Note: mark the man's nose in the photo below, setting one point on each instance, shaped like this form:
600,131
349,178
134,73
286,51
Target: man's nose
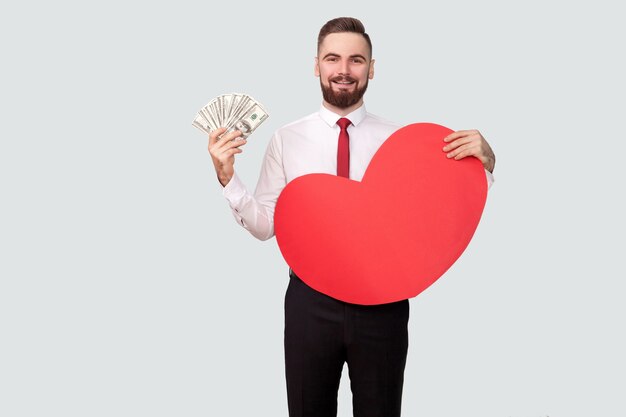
344,68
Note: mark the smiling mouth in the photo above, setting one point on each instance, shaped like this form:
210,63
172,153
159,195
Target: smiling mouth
343,83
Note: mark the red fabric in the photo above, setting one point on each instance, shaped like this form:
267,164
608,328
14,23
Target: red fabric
343,148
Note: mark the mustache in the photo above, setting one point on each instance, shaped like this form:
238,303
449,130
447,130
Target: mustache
340,78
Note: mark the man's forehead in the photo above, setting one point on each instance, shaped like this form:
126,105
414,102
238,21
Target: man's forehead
344,43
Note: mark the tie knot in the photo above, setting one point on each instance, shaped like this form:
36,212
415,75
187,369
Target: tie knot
343,123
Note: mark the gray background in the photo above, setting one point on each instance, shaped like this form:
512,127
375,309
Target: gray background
128,289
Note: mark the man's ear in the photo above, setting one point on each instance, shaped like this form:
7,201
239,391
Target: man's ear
317,67
371,71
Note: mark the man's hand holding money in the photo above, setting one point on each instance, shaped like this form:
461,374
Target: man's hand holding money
234,111
223,150
225,118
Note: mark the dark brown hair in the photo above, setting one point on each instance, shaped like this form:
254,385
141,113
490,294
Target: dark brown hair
343,24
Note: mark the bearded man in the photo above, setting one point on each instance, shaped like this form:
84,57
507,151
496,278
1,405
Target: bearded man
322,333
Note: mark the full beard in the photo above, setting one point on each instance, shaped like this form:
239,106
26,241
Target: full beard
342,99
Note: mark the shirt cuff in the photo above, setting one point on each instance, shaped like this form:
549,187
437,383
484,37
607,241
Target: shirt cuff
234,190
490,179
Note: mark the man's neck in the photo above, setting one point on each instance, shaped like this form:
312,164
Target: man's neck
343,112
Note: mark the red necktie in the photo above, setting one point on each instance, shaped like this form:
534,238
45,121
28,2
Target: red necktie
343,149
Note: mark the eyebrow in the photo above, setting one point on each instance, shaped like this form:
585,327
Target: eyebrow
332,54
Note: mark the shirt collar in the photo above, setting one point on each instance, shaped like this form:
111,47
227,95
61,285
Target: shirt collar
331,118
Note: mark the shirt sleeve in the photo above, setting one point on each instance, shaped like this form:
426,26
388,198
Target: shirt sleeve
255,213
490,179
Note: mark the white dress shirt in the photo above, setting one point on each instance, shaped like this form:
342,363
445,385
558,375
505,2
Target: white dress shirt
306,146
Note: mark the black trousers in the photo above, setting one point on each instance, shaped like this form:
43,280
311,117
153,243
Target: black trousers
321,333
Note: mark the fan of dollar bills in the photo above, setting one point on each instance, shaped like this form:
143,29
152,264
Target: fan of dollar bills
233,111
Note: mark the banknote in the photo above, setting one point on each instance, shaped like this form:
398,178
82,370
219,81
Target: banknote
248,122
234,111
202,124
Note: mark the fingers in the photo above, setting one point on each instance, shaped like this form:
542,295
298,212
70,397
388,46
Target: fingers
458,142
465,151
227,153
466,143
213,136
460,134
223,151
463,143
229,136
217,144
216,136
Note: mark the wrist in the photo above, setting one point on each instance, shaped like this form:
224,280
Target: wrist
224,179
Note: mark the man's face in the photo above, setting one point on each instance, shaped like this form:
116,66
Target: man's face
344,66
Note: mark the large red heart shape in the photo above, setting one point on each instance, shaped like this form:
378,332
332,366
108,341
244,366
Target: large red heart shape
390,236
